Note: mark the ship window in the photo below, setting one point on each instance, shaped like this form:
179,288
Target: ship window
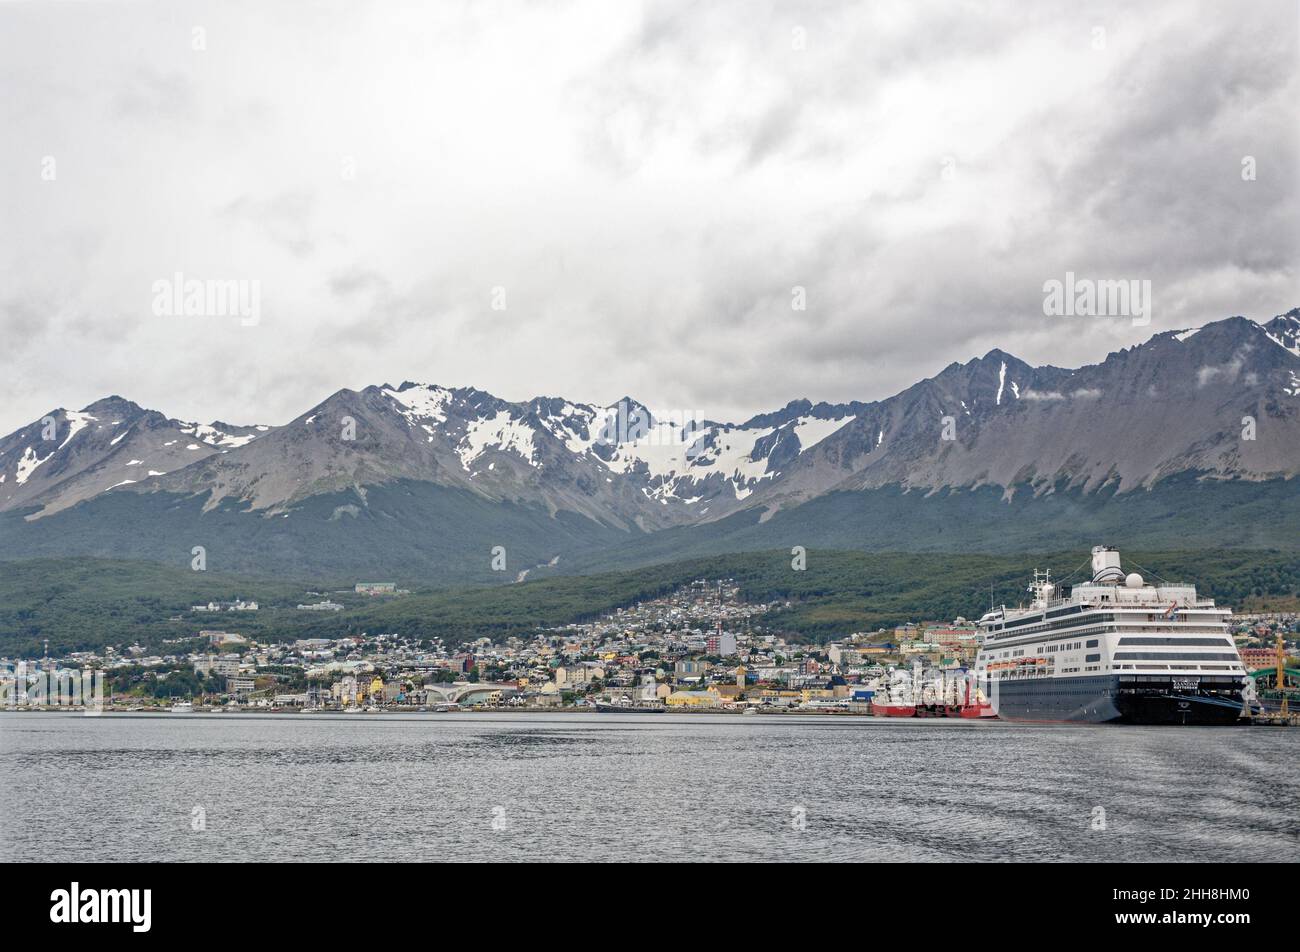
1154,656
1093,643
1092,657
1176,642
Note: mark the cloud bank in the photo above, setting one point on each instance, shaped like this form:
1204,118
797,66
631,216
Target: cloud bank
646,189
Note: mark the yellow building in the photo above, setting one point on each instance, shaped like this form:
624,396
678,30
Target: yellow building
774,696
693,699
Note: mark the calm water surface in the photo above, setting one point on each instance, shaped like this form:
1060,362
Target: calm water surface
442,787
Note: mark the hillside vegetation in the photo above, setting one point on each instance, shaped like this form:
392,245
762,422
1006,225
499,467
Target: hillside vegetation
80,604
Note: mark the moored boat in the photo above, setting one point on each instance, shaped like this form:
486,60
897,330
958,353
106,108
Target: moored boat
892,700
615,708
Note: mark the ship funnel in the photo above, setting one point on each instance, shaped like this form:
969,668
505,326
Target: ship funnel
1105,564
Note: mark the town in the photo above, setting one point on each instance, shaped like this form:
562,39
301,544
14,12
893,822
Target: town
702,648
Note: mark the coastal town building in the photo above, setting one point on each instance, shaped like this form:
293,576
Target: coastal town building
238,605
699,648
376,588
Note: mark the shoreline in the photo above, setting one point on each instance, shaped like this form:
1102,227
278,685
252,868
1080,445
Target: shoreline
390,711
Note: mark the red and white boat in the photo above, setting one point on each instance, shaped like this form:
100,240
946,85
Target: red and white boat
978,706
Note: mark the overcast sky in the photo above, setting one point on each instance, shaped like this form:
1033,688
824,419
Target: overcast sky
646,182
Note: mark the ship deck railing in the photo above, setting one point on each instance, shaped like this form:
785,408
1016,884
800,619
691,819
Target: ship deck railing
1061,602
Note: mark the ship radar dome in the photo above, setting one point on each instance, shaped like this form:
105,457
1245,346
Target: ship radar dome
1134,580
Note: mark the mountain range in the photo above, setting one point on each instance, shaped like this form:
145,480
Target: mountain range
1192,436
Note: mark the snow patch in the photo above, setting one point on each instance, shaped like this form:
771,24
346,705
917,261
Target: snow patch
812,430
501,432
422,402
1294,349
672,462
1002,383
27,465
214,437
76,423
573,420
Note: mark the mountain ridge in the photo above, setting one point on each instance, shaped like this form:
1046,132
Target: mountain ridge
1220,402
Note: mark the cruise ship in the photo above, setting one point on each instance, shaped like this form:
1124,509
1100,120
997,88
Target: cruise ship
1113,650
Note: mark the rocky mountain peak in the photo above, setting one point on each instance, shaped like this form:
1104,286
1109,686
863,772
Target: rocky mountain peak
1171,405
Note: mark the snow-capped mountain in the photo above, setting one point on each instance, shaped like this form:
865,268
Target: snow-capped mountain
1221,402
619,465
1283,330
70,456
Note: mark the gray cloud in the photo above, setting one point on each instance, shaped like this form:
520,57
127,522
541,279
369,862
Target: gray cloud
147,94
646,185
284,217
